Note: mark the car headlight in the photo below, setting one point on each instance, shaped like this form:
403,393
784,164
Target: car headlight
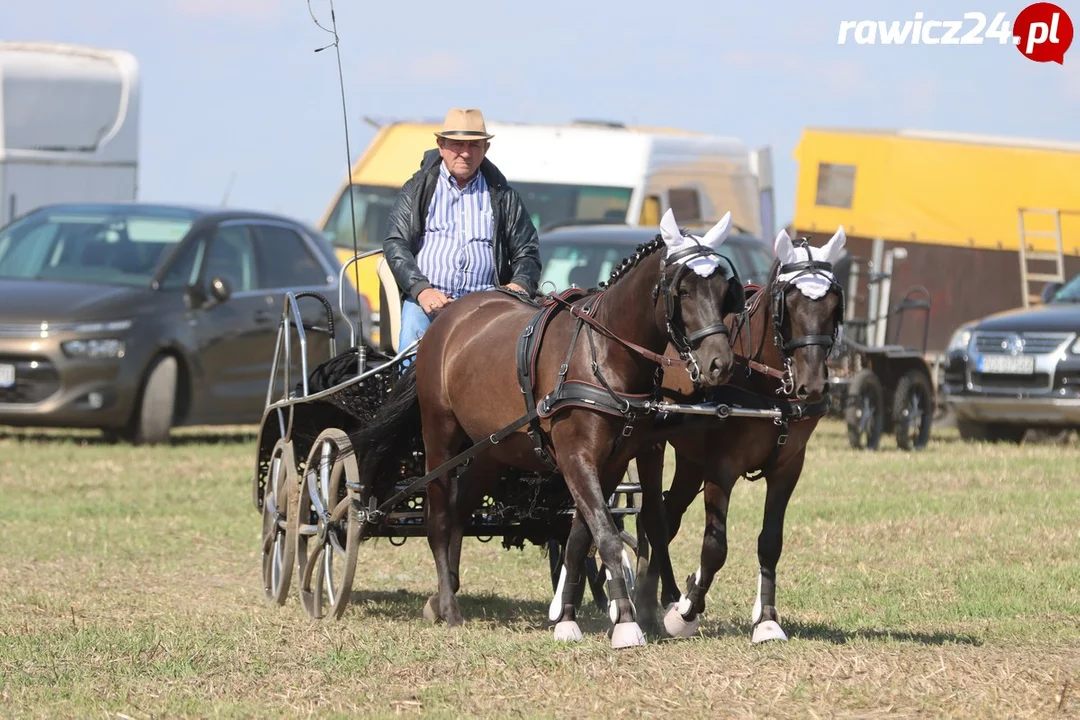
960,339
96,348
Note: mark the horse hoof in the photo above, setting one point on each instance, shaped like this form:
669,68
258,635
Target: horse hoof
768,630
626,635
567,631
679,627
431,609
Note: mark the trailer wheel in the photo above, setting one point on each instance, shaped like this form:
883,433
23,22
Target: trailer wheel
865,412
913,410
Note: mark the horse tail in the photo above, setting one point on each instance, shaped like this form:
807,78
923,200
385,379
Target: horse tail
391,432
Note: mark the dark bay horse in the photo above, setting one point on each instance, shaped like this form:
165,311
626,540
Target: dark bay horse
781,342
478,370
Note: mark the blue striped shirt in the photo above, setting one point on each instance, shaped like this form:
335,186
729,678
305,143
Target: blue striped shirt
457,253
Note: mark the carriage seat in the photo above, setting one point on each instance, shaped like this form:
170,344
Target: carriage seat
389,308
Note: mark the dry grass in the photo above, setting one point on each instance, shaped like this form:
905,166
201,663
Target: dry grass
943,583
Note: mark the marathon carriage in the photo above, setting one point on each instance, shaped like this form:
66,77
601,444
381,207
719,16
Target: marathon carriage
308,486
879,387
306,483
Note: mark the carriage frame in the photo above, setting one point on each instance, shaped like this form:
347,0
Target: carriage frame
306,482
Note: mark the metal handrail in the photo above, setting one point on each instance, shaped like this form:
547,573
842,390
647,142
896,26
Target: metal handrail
287,401
341,293
291,310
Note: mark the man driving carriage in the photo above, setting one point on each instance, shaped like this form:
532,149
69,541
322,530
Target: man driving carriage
457,227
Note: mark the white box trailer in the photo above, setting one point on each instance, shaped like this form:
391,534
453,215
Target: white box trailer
68,126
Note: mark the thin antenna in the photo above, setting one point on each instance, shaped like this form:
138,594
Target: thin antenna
360,347
228,189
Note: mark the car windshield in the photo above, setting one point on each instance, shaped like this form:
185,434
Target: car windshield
549,203
371,205
586,264
1070,293
105,246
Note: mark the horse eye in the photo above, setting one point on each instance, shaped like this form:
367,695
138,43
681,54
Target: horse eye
684,293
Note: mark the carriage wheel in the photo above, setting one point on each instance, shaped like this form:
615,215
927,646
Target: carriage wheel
278,553
913,412
328,534
865,413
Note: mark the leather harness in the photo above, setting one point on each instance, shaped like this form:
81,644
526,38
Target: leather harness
600,397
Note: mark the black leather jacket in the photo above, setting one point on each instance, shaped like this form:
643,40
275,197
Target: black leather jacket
516,246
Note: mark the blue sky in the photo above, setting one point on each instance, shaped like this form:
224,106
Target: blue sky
234,85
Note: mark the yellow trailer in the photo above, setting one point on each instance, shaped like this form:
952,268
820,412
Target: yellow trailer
961,206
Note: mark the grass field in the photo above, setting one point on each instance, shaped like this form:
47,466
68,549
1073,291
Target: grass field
942,583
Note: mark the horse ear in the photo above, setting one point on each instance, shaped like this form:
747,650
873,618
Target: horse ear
832,249
719,232
669,230
785,251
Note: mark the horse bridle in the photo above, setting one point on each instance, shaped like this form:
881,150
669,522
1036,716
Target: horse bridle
683,342
779,292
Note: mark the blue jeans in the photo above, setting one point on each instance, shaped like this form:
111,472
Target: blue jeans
414,323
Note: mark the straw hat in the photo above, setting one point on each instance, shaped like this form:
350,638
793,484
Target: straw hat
464,125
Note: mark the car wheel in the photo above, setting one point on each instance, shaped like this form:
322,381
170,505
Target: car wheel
154,414
865,412
913,411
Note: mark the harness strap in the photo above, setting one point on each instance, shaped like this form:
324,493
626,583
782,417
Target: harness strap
644,352
761,367
804,265
528,353
374,516
581,394
526,349
807,340
706,332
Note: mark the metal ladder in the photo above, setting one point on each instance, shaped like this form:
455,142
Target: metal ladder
1027,276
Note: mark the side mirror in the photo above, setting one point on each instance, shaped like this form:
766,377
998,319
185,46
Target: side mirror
220,290
1049,291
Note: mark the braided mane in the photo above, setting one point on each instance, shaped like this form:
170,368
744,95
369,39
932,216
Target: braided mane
641,252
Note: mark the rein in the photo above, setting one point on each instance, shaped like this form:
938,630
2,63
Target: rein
586,316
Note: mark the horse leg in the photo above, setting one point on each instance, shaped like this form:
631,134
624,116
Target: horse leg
440,445
652,528
467,493
684,488
563,608
682,618
582,479
780,485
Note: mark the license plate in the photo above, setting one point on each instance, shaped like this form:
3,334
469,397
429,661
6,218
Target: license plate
7,376
1007,364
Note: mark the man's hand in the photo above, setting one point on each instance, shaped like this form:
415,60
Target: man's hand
515,287
432,301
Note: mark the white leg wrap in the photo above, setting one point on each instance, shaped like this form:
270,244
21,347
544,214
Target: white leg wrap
555,609
756,614
684,602
613,609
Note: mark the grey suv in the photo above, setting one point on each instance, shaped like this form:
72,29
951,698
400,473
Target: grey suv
136,318
1018,369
